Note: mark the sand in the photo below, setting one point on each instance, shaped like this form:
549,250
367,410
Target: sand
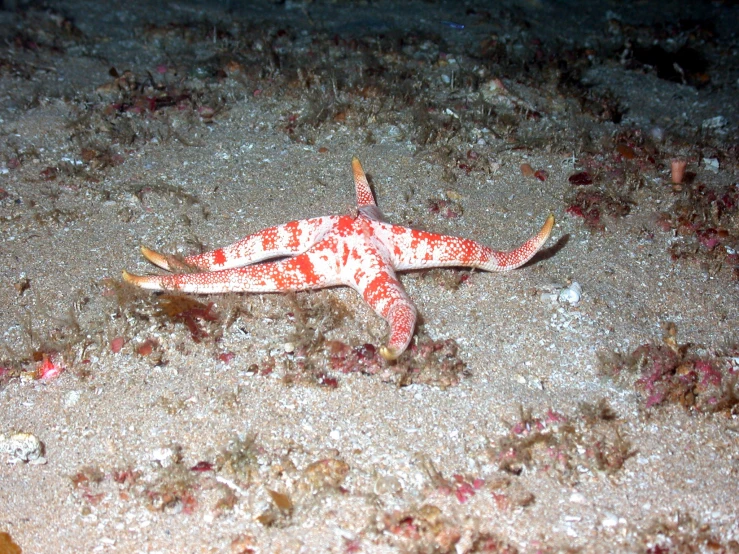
522,421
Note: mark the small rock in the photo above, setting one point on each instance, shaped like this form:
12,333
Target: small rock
577,498
711,164
72,398
387,484
571,295
609,520
23,447
717,122
495,93
166,456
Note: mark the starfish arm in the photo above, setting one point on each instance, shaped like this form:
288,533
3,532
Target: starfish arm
366,204
309,270
282,240
374,278
402,320
412,249
364,193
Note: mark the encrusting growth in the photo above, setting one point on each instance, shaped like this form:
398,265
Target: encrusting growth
361,251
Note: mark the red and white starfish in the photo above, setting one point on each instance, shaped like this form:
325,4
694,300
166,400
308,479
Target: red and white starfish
360,251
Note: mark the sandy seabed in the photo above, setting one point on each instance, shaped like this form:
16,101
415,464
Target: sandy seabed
521,420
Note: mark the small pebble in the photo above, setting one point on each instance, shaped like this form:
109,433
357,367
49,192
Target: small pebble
387,484
22,447
609,520
165,457
549,297
711,164
571,295
714,122
72,398
577,498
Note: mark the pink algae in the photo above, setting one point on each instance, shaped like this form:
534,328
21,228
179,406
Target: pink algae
48,368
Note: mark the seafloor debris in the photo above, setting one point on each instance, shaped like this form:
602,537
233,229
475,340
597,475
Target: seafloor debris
570,294
22,447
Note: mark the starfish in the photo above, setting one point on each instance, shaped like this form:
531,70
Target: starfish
361,251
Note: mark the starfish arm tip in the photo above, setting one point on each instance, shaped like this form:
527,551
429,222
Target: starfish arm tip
548,225
141,281
388,353
154,257
129,277
357,168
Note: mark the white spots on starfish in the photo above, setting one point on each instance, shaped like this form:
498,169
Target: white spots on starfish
234,279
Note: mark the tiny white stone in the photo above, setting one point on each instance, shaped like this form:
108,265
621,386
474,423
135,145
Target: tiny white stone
164,456
387,484
609,520
571,295
714,122
72,398
711,164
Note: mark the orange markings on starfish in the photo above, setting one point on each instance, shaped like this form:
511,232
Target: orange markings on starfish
293,228
376,289
345,225
306,269
219,257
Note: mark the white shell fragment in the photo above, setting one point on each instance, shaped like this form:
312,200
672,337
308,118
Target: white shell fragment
717,122
166,456
609,520
22,447
711,164
570,295
564,295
